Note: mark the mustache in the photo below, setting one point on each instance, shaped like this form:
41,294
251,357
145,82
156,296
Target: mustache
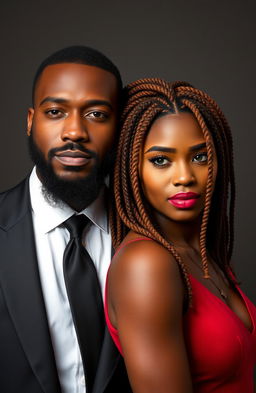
72,146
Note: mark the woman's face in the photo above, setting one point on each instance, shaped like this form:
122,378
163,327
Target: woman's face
174,167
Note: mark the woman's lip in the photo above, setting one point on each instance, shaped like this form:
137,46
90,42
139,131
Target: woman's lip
183,203
184,200
184,196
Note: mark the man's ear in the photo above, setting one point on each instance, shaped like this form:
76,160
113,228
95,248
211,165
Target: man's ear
30,120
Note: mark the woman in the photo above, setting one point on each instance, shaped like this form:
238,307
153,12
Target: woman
172,304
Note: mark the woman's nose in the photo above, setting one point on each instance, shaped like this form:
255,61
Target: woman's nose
183,174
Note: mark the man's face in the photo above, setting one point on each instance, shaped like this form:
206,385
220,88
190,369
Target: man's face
73,122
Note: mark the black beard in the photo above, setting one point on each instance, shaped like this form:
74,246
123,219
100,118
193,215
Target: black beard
78,194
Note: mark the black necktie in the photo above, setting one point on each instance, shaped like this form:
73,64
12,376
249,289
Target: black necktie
84,296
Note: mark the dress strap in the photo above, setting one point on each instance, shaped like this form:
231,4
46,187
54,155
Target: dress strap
129,242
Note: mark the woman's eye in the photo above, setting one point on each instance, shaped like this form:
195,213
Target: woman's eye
201,157
159,161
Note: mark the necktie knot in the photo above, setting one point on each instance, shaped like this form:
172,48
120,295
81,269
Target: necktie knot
76,224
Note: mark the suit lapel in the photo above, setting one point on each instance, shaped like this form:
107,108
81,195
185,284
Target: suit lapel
21,286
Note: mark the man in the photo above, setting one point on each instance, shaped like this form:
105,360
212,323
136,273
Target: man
71,130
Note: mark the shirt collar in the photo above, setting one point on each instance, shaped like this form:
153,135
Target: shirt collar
49,217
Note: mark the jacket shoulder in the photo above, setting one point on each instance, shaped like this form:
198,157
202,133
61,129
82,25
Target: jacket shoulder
14,189
14,203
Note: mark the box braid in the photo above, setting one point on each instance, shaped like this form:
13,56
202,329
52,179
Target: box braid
148,99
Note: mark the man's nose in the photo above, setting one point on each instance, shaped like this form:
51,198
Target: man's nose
75,128
183,174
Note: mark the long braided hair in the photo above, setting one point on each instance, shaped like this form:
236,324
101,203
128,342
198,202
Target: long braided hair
148,99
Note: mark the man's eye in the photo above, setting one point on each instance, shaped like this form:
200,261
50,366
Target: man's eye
54,112
97,115
159,161
201,158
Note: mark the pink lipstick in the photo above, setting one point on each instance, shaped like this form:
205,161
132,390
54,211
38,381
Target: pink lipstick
184,200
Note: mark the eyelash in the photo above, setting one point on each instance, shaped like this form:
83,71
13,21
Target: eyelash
50,112
200,155
102,115
154,159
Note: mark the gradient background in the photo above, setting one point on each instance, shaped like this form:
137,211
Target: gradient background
209,44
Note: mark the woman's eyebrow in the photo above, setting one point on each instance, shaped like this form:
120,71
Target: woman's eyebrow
162,148
197,147
173,150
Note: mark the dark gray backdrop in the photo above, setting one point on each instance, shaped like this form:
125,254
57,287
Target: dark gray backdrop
210,44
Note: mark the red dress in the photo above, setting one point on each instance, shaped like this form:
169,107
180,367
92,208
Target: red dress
221,350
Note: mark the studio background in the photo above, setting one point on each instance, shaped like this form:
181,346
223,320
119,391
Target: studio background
209,44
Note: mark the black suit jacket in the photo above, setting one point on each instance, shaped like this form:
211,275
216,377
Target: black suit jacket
27,363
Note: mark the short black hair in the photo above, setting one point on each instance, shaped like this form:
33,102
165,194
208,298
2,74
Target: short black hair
81,55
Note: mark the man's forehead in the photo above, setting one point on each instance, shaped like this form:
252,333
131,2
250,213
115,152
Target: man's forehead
76,79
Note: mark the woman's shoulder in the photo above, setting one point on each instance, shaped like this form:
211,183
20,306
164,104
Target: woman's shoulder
133,240
144,279
136,247
140,257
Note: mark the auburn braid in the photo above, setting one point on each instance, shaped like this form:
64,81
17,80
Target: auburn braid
146,99
220,129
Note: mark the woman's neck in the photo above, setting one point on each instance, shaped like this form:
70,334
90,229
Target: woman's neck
181,234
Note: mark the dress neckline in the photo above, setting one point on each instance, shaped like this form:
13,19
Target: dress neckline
232,312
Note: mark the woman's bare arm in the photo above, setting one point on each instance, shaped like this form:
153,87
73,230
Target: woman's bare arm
145,305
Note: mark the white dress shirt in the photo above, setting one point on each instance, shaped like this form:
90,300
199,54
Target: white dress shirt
51,241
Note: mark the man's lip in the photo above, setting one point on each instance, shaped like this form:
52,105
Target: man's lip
73,158
73,153
185,195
